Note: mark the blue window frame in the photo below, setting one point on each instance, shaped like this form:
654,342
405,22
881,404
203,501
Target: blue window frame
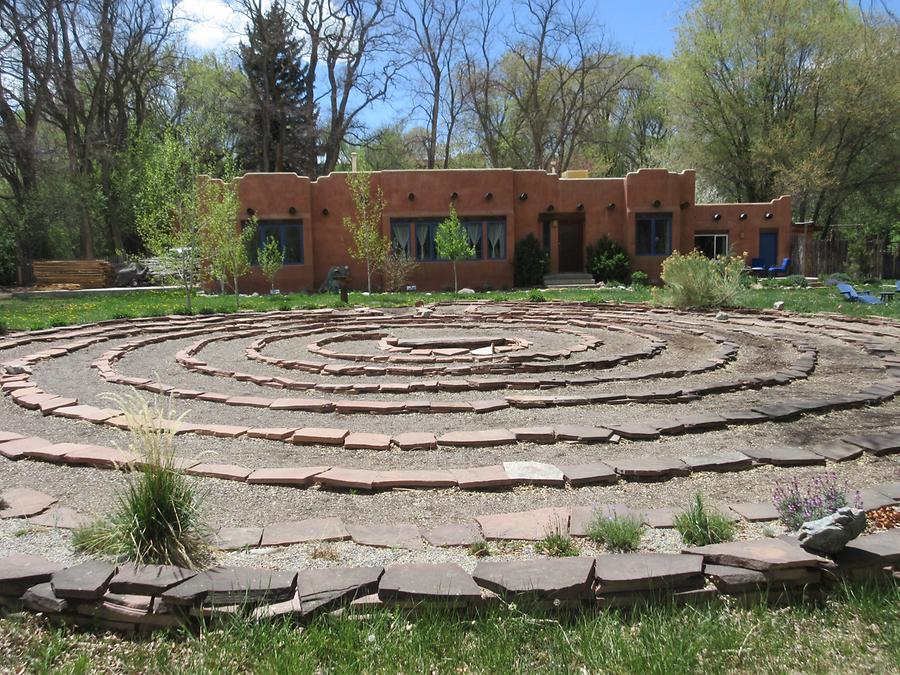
653,235
288,233
416,237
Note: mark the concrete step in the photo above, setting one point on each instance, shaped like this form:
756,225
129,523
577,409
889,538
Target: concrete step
568,280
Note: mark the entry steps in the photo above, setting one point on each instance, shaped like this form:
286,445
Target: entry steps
569,280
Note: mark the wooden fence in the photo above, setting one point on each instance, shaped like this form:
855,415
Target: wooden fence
821,257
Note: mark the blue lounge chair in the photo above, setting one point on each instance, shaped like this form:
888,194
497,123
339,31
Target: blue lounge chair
758,266
780,269
853,296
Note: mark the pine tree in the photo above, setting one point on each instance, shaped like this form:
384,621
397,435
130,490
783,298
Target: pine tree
279,136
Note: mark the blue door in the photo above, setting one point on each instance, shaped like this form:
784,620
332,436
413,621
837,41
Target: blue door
768,248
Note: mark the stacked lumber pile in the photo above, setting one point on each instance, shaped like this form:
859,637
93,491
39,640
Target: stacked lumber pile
81,273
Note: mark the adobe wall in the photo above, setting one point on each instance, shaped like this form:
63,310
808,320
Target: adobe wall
525,198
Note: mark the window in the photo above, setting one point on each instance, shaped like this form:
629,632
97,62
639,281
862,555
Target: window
416,238
654,234
289,234
711,245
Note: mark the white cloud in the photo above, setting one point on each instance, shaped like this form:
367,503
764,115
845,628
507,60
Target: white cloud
209,25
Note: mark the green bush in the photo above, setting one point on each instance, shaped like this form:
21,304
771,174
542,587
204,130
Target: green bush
837,278
795,280
618,533
4,329
695,281
529,262
640,278
536,296
608,261
158,517
556,545
700,526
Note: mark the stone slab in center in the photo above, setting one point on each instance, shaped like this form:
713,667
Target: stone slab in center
448,342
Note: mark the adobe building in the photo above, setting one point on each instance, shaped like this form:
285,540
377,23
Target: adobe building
650,212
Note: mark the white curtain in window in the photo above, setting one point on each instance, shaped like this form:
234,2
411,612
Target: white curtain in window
422,238
400,236
496,238
474,232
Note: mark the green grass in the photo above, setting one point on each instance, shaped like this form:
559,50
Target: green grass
32,314
699,525
617,533
856,630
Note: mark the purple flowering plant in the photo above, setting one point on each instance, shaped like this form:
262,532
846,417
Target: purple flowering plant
821,496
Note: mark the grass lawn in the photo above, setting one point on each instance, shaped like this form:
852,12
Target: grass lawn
31,314
857,630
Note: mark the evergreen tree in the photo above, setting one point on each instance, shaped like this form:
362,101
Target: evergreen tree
279,136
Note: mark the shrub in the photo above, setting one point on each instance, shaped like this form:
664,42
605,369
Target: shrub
639,278
536,296
700,526
4,328
821,496
695,281
556,545
271,259
529,262
479,549
158,517
397,270
618,533
608,261
837,278
794,280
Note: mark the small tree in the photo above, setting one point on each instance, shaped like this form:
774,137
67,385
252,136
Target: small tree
452,242
271,260
225,248
369,244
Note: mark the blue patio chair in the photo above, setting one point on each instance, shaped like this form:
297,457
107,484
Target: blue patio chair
780,269
757,266
898,284
853,296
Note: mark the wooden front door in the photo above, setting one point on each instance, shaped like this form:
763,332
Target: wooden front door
571,246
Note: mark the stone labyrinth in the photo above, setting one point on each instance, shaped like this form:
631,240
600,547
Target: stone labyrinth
441,425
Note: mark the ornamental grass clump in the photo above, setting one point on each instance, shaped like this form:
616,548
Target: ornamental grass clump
158,516
556,545
617,533
821,496
697,282
700,526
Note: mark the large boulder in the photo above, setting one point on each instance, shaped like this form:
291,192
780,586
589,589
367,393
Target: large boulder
832,533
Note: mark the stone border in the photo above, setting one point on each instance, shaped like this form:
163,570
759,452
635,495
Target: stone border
129,598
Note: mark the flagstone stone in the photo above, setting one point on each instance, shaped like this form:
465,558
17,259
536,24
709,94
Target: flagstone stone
20,447
220,430
589,474
702,421
554,578
476,439
319,436
489,405
367,441
744,416
415,441
529,525
778,412
726,461
248,401
6,436
99,456
838,451
339,477
760,554
534,473
783,456
869,499
271,433
323,588
20,571
635,431
296,476
413,478
300,531
62,517
223,471
755,511
651,467
482,477
618,572
582,434
423,581
534,434
24,502
233,585
454,534
87,581
235,538
891,490
40,598
135,579
660,518
87,413
876,444
402,535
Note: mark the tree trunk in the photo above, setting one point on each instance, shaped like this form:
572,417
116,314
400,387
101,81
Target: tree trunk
455,284
237,293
